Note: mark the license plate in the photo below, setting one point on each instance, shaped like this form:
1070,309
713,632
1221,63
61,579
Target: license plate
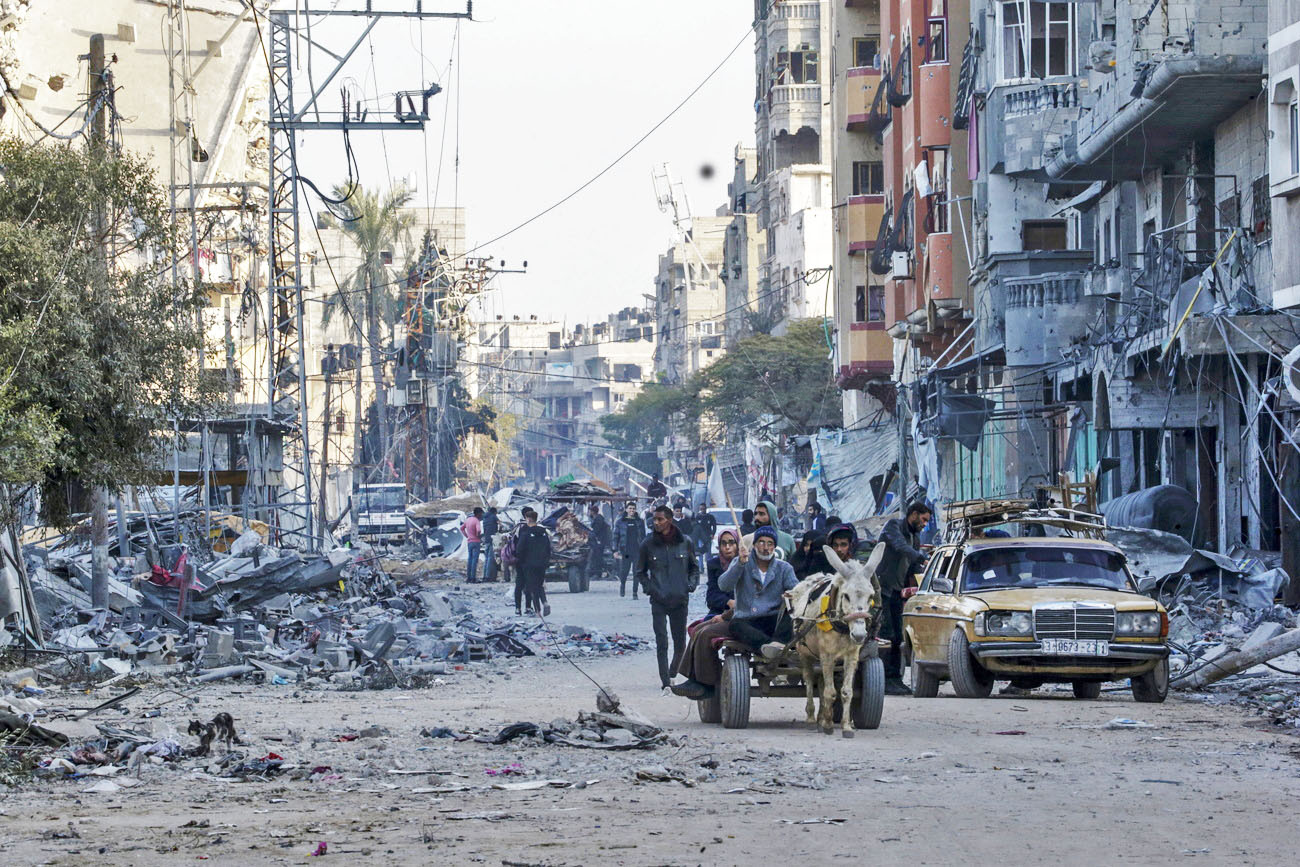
1074,647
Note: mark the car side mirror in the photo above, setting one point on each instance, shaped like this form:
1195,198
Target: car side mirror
941,585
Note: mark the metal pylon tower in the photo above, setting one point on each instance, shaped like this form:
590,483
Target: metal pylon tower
287,364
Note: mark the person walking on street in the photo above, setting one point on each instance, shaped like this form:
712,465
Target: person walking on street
533,550
668,573
491,525
759,580
685,523
598,542
656,490
747,522
472,530
629,533
903,557
706,527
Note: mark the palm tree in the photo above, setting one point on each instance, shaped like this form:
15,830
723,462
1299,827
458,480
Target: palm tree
377,225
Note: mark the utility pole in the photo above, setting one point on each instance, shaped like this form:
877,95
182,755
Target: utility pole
99,493
328,367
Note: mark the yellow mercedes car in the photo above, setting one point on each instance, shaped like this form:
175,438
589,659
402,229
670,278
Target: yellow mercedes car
1034,610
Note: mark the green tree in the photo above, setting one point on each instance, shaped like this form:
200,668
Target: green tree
97,351
377,225
645,421
788,379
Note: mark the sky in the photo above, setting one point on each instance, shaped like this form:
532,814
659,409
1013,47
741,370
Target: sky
539,96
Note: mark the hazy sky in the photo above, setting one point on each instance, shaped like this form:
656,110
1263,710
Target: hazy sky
548,93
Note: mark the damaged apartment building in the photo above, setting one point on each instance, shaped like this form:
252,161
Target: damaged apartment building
1118,174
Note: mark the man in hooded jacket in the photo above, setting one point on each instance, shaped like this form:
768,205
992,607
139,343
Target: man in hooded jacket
765,516
668,572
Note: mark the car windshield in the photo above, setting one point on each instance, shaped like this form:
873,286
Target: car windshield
1040,566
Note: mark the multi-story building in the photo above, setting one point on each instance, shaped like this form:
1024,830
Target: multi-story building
745,247
864,349
1129,311
690,300
791,50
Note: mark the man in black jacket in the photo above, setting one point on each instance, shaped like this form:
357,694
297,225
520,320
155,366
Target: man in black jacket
533,550
903,557
629,533
598,543
706,527
668,573
491,526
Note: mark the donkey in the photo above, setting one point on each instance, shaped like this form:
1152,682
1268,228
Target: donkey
839,608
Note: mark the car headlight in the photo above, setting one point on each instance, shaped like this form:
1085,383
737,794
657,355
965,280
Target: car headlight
1133,623
1004,623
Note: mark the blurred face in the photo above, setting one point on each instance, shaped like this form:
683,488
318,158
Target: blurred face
631,511
661,522
761,517
531,518
919,520
727,545
764,547
841,544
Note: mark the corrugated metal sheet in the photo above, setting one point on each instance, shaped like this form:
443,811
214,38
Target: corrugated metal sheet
849,461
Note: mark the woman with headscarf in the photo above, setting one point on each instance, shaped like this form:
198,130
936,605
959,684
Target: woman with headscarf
807,553
699,663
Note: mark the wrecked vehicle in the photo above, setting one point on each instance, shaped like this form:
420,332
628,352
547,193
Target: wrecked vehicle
381,513
1032,609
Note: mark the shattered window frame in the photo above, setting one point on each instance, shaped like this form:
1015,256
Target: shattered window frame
1036,40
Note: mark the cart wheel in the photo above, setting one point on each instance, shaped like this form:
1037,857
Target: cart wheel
869,699
710,709
586,581
575,579
733,692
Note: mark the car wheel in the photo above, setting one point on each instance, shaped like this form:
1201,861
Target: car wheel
1152,687
925,683
969,678
1086,688
869,694
734,691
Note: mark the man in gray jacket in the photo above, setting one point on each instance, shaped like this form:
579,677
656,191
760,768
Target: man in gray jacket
903,557
759,579
668,572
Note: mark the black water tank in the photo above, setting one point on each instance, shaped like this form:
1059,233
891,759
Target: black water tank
1164,507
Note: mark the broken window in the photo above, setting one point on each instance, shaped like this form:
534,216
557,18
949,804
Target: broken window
1230,212
936,32
1043,235
868,178
797,67
1037,39
1261,208
1293,125
939,205
875,303
866,50
860,304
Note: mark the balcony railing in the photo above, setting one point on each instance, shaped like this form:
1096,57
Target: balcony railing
1040,98
785,94
1043,290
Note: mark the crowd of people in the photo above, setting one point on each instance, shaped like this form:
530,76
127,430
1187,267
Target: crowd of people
666,551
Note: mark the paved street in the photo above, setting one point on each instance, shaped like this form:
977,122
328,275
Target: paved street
936,784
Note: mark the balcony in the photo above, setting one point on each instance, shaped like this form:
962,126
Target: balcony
860,86
1171,85
932,87
865,216
992,327
870,355
791,107
1028,124
1048,316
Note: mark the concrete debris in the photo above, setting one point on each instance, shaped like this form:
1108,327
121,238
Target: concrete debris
600,730
1166,565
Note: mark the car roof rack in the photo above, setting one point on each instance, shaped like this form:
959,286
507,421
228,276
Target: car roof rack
969,517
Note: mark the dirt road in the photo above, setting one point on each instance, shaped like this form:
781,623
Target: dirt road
944,781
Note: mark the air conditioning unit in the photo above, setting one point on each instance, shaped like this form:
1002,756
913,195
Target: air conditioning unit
901,265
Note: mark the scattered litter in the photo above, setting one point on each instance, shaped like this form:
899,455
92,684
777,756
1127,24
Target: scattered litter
1011,732
1120,722
820,820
